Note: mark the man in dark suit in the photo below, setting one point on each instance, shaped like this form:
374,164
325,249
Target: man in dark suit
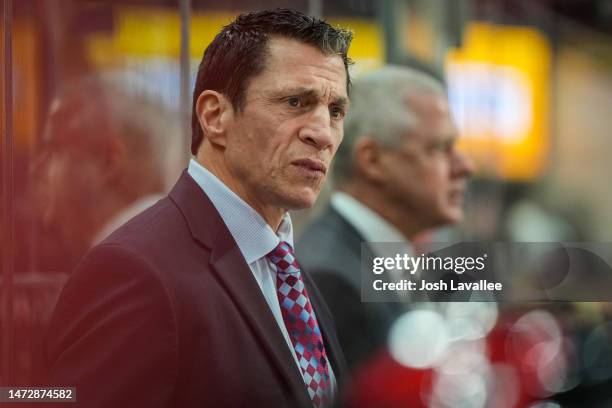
396,174
199,301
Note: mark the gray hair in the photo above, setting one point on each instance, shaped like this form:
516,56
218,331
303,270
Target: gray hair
379,109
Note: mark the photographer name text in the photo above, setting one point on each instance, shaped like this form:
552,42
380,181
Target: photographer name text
406,285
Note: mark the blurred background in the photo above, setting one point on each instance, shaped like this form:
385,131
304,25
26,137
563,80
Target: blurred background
96,102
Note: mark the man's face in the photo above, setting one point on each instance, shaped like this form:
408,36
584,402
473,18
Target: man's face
280,146
68,176
67,192
426,174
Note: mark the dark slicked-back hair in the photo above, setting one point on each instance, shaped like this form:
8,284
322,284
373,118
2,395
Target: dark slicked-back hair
238,53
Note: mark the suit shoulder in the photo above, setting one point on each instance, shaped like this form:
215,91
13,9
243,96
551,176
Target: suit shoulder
114,298
321,233
153,231
156,216
110,264
330,246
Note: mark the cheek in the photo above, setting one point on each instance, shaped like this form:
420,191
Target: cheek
282,147
63,189
426,181
404,181
437,171
261,144
338,136
243,150
57,180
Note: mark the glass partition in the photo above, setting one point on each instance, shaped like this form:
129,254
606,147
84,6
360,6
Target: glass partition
95,127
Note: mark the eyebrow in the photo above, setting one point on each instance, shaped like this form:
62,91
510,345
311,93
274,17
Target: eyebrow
310,93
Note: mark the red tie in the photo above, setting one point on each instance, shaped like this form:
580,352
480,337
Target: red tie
301,324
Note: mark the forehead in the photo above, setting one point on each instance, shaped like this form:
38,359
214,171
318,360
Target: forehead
428,104
293,63
433,115
430,108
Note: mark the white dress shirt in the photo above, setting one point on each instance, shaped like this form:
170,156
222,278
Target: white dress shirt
255,239
371,226
374,229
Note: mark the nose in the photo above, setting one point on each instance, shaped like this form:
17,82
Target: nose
317,131
463,166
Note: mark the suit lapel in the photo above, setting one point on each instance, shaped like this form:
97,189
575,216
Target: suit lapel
361,250
332,346
238,279
231,269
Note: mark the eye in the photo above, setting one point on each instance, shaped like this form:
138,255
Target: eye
448,146
294,102
337,112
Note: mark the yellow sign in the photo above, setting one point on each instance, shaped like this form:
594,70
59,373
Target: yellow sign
154,32
499,93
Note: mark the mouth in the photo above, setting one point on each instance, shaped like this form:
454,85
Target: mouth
312,166
457,195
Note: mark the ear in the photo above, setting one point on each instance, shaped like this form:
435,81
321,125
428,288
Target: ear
369,160
214,112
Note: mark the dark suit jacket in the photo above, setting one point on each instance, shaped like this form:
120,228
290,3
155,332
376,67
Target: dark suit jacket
166,313
330,249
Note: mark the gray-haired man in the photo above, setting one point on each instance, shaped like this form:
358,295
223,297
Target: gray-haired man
397,173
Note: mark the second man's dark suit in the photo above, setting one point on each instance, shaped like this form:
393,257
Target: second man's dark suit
166,313
330,249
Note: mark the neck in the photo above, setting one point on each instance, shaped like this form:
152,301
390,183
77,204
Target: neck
377,201
272,215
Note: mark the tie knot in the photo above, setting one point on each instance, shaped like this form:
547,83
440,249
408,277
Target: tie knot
282,256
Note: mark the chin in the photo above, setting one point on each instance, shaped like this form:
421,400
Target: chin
453,216
301,200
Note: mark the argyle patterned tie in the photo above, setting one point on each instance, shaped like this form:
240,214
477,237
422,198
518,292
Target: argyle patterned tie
301,324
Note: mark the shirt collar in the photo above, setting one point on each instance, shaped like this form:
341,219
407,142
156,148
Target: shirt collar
371,226
253,235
